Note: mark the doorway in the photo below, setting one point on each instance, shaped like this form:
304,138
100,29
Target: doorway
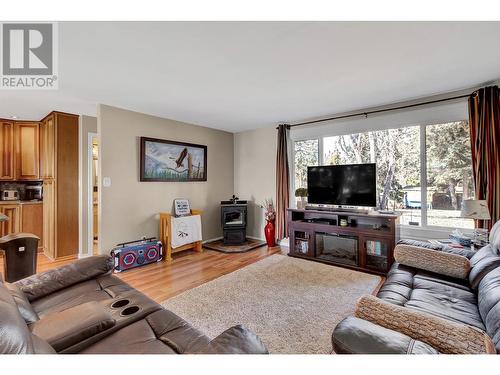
93,189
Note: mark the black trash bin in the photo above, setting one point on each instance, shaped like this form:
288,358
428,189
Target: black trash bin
20,253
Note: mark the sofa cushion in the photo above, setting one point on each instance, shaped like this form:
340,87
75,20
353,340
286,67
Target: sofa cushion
41,346
15,337
48,282
428,285
235,340
432,293
445,306
489,304
176,332
450,281
99,289
494,238
398,285
484,261
71,326
137,338
29,315
161,332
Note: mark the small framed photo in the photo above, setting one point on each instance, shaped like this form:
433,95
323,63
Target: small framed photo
182,207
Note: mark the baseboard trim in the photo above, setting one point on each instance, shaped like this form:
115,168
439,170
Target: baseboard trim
220,238
285,242
256,238
212,239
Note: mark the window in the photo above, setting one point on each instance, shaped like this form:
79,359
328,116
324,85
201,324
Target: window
449,174
396,152
443,149
306,153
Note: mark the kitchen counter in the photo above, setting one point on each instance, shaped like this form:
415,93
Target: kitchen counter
21,202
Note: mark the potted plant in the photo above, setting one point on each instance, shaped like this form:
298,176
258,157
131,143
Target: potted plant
270,215
302,194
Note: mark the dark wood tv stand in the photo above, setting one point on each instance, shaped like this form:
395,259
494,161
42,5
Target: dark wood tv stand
365,244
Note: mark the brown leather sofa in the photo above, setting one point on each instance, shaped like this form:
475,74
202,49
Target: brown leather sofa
421,311
83,308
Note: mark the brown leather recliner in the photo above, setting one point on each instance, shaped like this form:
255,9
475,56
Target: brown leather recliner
83,308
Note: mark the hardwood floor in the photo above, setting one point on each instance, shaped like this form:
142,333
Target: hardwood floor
189,269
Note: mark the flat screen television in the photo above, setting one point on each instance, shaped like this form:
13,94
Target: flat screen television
342,185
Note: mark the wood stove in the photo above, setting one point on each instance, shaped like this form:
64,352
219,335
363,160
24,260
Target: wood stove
234,221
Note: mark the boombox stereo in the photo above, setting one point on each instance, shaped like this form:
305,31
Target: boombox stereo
137,253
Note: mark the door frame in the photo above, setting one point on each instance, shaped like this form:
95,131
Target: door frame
90,195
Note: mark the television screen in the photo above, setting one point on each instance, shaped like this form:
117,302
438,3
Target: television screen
343,185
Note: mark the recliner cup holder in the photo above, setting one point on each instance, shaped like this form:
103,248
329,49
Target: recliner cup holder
120,303
129,310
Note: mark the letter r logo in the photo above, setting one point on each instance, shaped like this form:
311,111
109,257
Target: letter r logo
27,49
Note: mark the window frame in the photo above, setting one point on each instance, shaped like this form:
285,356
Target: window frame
423,171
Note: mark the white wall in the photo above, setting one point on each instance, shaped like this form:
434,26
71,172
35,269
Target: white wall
255,173
129,208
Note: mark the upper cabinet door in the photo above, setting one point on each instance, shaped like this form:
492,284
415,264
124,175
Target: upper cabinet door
47,147
7,171
27,151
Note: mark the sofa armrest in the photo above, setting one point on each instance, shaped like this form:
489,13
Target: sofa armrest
468,253
357,336
444,335
235,340
444,263
71,326
44,283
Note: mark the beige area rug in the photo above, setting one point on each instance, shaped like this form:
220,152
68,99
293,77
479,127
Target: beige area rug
292,304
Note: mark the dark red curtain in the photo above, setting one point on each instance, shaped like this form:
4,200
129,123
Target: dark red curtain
484,122
282,182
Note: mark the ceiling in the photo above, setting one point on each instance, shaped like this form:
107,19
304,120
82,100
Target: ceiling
237,76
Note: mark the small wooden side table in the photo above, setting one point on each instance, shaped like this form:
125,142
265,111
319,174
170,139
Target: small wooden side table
165,236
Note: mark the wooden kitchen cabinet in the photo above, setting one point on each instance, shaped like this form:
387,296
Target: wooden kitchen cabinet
32,220
19,150
59,171
49,212
25,218
7,171
27,160
44,150
13,225
48,146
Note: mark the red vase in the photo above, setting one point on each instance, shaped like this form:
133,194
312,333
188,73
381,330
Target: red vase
270,233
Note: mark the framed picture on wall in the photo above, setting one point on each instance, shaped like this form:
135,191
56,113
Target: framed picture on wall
169,161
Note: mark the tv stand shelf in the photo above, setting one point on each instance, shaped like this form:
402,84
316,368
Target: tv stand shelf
366,243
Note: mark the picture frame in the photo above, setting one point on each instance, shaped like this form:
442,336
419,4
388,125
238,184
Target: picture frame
172,161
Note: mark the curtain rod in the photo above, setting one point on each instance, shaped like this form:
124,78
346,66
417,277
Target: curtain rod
366,113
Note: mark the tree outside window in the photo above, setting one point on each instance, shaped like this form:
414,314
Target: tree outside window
397,155
306,154
449,173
